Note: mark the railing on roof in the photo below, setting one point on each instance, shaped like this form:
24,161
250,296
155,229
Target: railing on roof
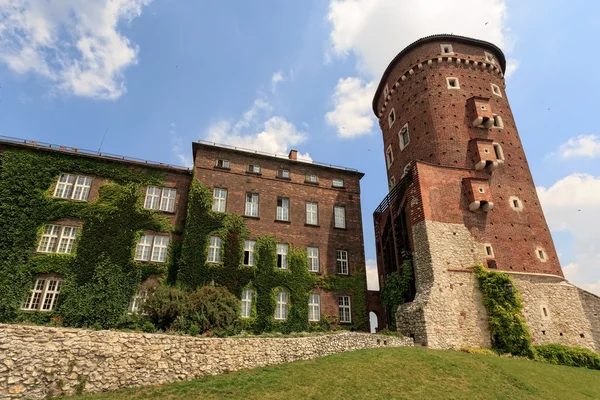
76,150
278,155
392,196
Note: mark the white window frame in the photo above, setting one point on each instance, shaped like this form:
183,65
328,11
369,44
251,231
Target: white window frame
43,294
283,210
389,156
314,263
386,91
283,173
73,187
246,303
252,205
452,79
253,168
488,250
282,253
314,307
489,57
153,248
391,118
167,200
224,163
541,254
219,200
339,217
152,199
344,309
249,246
214,250
138,299
498,152
162,199
519,207
443,48
496,90
312,178
498,123
341,264
281,308
58,239
312,213
401,133
338,183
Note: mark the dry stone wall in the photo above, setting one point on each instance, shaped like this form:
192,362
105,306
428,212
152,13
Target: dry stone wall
36,362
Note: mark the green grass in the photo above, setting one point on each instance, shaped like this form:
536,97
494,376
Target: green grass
394,373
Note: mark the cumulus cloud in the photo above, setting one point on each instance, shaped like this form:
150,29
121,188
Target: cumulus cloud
372,276
582,146
178,147
352,115
275,80
73,44
374,31
570,205
258,130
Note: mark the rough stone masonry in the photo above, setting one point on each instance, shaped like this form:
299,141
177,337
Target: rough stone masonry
37,361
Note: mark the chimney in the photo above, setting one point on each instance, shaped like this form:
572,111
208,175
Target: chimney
293,155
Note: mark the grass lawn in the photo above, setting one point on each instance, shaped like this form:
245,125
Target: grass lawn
394,373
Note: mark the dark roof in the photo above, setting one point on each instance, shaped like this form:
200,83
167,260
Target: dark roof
436,38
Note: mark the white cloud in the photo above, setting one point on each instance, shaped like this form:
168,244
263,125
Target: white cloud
571,205
178,147
582,146
74,44
512,66
372,276
275,80
258,130
352,115
374,31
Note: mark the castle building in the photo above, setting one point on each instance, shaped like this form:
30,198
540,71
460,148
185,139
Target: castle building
461,193
303,204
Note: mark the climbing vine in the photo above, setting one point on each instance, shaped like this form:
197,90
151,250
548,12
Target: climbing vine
396,290
504,308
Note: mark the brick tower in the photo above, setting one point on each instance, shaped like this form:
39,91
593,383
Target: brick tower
461,192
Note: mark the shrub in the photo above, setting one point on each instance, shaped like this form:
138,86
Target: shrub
396,289
569,356
148,327
213,308
165,305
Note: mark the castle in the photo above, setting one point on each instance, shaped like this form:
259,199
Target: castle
461,193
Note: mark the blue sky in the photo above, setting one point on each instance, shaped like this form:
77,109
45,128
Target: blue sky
275,75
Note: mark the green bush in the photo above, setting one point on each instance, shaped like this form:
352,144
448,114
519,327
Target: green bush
569,356
213,308
396,289
165,305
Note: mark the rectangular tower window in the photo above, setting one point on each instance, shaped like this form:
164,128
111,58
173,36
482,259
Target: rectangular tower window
391,118
446,49
452,83
496,90
389,156
404,137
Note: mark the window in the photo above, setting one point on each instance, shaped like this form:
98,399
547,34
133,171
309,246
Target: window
389,156
282,251
281,308
252,204
496,90
283,173
247,303
249,252
73,187
344,309
541,254
452,83
136,302
283,209
392,182
339,183
515,203
311,178
404,137
152,248
391,118
339,217
214,250
58,239
386,91
498,122
314,308
498,151
312,214
446,49
222,163
160,199
219,200
313,259
342,262
254,168
489,251
489,57
43,295
481,190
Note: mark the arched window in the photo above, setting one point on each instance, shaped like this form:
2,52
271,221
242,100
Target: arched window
281,309
43,295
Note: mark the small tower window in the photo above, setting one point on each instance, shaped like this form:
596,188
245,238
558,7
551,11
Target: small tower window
452,83
541,254
481,190
404,137
386,91
489,251
447,49
516,203
499,152
489,57
391,118
498,122
496,90
389,156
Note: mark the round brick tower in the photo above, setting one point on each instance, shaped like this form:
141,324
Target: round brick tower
448,128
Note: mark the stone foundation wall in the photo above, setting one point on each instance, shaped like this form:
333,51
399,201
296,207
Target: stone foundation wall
39,361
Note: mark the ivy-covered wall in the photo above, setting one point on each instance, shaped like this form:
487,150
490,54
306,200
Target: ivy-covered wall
101,276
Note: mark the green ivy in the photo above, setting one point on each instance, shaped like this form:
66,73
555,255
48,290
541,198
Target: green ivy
396,290
502,302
